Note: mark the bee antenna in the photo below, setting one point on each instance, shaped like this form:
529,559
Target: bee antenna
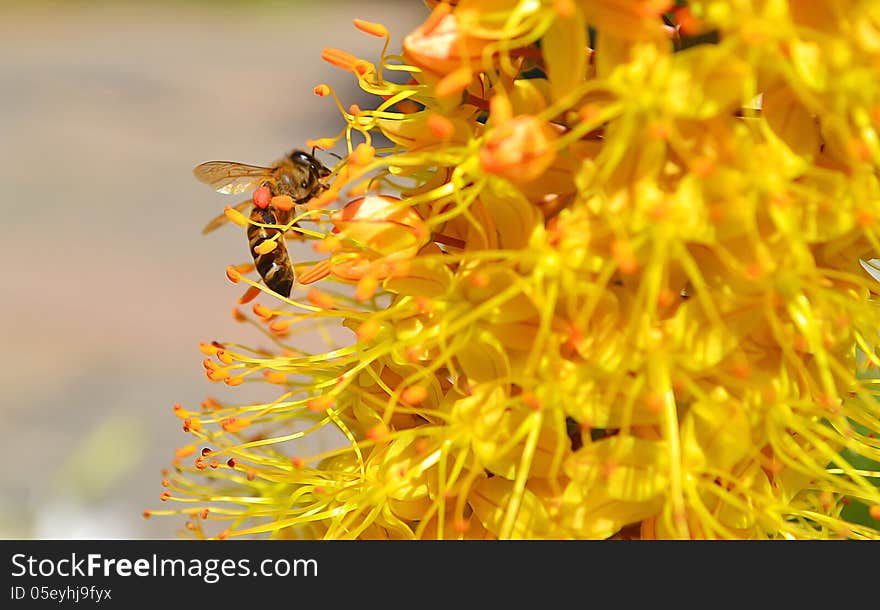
329,152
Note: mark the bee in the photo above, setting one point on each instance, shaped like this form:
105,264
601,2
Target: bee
299,175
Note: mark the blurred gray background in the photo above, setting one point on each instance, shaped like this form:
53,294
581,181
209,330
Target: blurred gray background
107,284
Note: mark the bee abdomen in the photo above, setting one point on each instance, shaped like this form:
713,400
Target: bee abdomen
274,267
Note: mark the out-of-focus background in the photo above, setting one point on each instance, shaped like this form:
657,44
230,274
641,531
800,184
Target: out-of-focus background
107,284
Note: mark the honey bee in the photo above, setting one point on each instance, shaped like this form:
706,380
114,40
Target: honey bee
299,175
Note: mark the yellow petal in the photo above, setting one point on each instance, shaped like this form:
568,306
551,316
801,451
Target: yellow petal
490,498
484,359
627,468
791,121
422,278
513,216
564,48
529,95
716,432
807,58
593,514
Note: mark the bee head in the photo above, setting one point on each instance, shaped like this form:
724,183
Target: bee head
304,181
303,159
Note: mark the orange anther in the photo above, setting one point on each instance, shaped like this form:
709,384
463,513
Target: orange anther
378,432
374,29
366,287
235,424
702,167
624,256
323,200
564,8
275,377
424,305
478,279
665,298
531,400
414,353
321,90
320,404
654,402
362,155
453,83
280,326
321,299
687,22
235,216
441,127
249,295
266,246
328,245
653,8
232,274
589,112
207,349
218,374
319,271
659,130
339,58
368,330
408,107
224,357
414,395
322,143
500,110
608,469
234,381
742,369
755,271
437,15
859,149
237,315
263,311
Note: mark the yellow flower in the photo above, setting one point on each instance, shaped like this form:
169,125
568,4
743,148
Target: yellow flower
519,150
610,292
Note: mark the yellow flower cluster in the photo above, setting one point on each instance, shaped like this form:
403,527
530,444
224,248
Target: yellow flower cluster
601,261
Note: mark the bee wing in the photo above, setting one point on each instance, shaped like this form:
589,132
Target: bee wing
222,218
229,177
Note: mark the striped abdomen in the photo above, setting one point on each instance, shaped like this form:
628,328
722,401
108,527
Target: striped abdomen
274,267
